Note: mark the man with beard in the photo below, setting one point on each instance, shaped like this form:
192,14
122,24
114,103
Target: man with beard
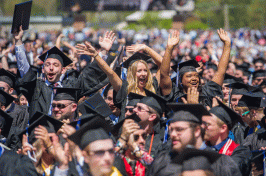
64,104
185,129
217,127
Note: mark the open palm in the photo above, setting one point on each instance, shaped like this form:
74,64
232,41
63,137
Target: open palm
86,49
223,36
107,41
173,39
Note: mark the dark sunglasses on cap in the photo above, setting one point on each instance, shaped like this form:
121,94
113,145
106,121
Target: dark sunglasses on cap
130,110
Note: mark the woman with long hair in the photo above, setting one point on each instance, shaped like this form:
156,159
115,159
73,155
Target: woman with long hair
189,79
138,74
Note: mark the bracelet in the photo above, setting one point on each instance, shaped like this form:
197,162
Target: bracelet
96,55
123,139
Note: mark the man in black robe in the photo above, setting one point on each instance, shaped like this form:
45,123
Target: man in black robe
185,129
40,92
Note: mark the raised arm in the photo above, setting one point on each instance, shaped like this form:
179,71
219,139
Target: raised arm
165,80
58,40
22,62
87,49
219,75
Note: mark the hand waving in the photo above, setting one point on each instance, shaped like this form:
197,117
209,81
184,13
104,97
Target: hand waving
107,41
86,49
173,39
224,36
135,48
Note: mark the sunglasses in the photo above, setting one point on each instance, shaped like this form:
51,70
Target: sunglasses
60,106
130,110
137,136
101,153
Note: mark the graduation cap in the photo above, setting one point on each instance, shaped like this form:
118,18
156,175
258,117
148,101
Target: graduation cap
7,77
211,65
154,101
93,130
21,16
133,99
243,68
63,93
194,159
136,56
187,112
55,53
252,101
106,89
186,66
96,103
117,126
52,125
226,114
5,98
241,88
259,73
84,119
229,79
201,98
258,158
6,121
12,65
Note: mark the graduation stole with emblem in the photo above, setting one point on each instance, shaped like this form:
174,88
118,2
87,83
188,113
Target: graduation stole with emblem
228,147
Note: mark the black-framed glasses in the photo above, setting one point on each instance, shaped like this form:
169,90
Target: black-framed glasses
101,153
137,136
60,106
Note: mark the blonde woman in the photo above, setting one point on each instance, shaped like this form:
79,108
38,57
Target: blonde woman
138,75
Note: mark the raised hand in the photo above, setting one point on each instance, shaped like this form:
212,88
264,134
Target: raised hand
192,96
128,128
224,36
18,35
107,41
136,48
25,146
42,133
173,39
86,49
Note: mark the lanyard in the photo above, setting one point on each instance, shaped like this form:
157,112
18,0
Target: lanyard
44,170
151,143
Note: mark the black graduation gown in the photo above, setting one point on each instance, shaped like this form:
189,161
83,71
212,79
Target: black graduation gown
120,97
12,164
238,130
163,165
39,94
210,90
256,140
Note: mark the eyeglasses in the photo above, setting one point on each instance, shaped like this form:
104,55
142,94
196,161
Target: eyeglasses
139,108
101,153
137,136
130,110
179,130
245,113
61,106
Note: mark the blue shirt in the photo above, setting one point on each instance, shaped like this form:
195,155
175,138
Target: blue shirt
219,146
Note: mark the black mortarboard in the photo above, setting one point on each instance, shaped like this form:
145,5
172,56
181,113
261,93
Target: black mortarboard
186,66
52,125
252,101
12,64
195,159
106,89
201,98
95,129
117,126
97,103
133,99
7,77
229,79
136,56
5,98
154,101
226,114
6,123
243,68
55,53
211,65
241,88
85,118
21,16
259,73
63,93
258,158
187,112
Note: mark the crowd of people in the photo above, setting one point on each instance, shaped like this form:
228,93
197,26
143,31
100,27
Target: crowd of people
153,102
